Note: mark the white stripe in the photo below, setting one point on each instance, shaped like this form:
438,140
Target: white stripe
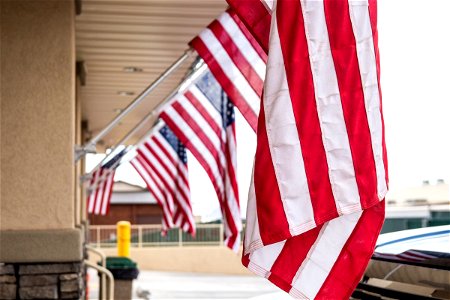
212,111
252,238
172,153
108,191
157,136
230,69
173,177
173,170
242,43
329,109
232,202
144,171
323,254
362,29
204,126
268,4
99,198
198,144
151,185
265,257
284,142
93,192
159,168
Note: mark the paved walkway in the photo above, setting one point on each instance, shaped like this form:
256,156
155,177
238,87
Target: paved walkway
171,285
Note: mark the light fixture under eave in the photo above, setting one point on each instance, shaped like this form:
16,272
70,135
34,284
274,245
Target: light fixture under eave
125,93
132,69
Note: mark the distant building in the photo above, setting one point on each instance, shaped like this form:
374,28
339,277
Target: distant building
416,207
426,194
130,203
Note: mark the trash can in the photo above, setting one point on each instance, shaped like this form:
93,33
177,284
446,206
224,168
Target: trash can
124,271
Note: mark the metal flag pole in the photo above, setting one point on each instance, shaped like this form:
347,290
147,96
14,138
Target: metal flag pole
125,158
179,89
89,147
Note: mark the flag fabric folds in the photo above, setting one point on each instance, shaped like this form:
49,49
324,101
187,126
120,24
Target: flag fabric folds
203,119
236,60
101,185
320,176
256,15
161,161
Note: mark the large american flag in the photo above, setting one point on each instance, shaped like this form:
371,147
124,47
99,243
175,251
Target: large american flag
236,60
203,119
101,185
320,177
162,163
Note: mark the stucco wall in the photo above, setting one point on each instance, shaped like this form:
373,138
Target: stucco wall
37,114
219,260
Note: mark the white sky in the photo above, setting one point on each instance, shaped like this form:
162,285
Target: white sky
414,41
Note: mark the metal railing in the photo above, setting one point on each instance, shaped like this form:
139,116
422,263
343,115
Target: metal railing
104,236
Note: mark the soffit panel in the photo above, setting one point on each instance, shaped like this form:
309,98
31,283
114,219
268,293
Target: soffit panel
147,34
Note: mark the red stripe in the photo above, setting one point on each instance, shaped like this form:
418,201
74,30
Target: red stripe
149,170
97,190
180,134
291,258
373,14
150,189
164,165
176,191
225,82
256,17
179,164
301,87
110,190
201,134
345,57
166,189
228,217
231,171
272,220
237,57
205,114
89,198
251,39
163,149
355,255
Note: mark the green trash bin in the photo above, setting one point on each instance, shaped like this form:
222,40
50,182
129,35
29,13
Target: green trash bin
124,271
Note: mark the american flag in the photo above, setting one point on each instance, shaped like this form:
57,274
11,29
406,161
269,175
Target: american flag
236,60
162,163
101,185
203,119
407,256
320,177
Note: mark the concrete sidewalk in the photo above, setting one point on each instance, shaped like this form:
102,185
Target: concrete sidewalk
171,285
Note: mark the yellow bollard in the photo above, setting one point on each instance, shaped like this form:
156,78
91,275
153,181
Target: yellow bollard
123,238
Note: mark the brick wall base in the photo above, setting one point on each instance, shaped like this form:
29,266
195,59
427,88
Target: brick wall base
42,281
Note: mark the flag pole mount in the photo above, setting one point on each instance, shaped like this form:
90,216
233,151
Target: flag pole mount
196,73
90,146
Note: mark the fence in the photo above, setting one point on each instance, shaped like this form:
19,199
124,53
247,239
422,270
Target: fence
150,236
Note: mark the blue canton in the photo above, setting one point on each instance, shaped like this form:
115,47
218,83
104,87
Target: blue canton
209,86
174,142
115,159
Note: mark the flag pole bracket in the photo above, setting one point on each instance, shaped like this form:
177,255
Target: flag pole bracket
81,151
91,144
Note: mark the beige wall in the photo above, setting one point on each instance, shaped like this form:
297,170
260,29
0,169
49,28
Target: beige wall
205,259
37,114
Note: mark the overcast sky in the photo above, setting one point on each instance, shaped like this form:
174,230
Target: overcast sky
415,63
